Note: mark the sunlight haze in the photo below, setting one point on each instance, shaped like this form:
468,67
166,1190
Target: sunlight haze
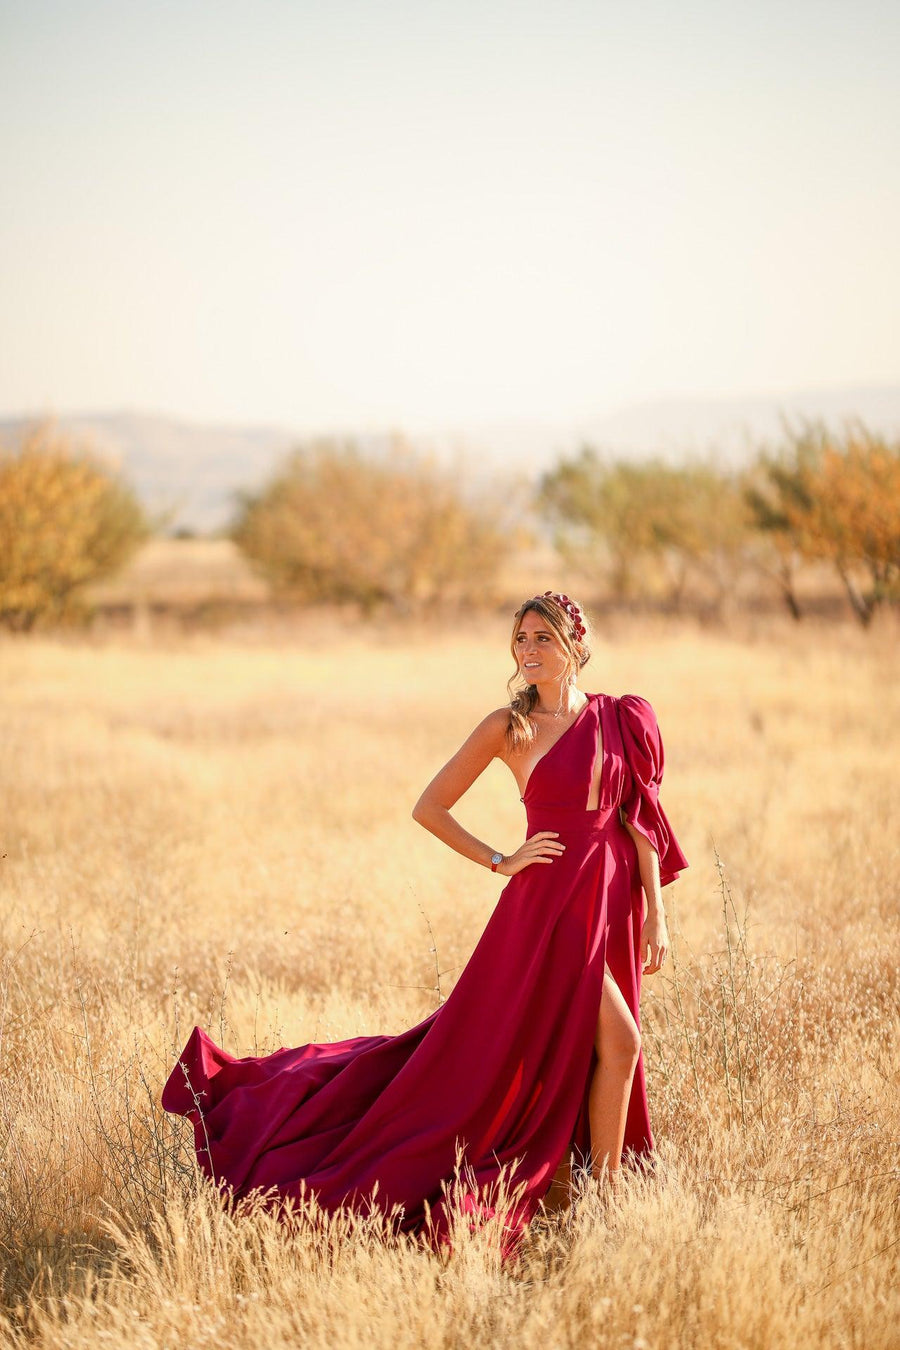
421,215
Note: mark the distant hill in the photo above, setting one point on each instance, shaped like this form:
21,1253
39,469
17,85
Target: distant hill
194,469
190,469
731,429
735,427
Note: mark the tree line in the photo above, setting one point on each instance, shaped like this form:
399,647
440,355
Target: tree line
819,496
398,530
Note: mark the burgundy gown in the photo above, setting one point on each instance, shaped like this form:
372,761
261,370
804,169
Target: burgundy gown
503,1066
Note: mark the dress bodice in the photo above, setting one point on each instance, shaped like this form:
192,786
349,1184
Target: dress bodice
559,784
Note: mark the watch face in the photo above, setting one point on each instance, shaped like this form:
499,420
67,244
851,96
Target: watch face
497,858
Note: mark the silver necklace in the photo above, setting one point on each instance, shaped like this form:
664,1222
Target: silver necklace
565,712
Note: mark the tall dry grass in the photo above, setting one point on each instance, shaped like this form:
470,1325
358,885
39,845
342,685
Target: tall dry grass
219,831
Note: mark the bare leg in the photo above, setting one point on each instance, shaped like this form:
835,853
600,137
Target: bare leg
618,1045
559,1195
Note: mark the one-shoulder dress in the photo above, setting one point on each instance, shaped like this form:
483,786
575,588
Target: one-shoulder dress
501,1070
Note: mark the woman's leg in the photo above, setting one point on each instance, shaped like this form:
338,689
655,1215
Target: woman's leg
559,1195
618,1045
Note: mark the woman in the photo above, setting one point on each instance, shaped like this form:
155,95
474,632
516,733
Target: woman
535,1055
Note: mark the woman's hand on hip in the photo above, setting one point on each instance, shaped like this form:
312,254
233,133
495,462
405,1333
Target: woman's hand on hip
542,847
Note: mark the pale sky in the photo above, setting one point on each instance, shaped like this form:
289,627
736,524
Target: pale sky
421,214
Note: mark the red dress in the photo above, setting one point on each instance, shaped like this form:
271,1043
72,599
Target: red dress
503,1066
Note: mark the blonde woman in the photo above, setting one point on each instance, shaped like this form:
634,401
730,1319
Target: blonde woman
534,1060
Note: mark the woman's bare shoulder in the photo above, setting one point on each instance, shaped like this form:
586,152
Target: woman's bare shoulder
498,720
492,729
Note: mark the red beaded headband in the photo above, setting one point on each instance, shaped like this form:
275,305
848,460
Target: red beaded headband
569,606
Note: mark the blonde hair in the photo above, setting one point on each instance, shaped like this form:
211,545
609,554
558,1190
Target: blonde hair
520,731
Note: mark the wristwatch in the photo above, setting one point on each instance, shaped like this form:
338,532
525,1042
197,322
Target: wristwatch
496,860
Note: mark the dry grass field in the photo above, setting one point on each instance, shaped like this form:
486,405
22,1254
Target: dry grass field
217,829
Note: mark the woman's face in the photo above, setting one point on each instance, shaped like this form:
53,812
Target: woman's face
539,651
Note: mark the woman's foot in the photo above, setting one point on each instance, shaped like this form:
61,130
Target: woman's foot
559,1192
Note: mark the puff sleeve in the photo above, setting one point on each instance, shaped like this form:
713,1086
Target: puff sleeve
644,760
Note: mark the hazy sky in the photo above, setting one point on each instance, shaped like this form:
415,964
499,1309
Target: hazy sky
420,214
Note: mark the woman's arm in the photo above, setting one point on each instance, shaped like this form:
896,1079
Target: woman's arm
654,933
459,773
